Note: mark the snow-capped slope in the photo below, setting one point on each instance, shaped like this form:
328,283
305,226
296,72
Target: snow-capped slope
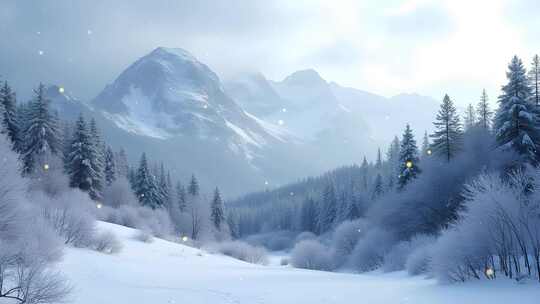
169,93
165,272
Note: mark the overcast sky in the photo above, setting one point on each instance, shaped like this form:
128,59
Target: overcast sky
430,47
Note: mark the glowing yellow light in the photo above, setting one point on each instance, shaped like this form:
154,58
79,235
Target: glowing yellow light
429,152
409,164
61,90
98,205
184,239
46,167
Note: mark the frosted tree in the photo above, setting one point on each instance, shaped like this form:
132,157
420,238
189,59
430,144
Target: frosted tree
328,211
121,162
217,214
470,117
164,188
9,119
181,197
195,208
408,158
41,135
392,155
365,171
378,187
425,144
516,121
447,139
98,160
193,188
378,164
145,185
484,112
110,166
308,216
534,79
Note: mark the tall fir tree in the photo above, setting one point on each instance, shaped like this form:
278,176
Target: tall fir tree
193,188
308,216
328,211
110,166
469,119
365,174
379,163
145,185
516,120
79,167
378,187
181,197
392,156
41,135
425,145
534,80
122,165
217,214
484,112
98,160
165,191
447,139
9,120
408,159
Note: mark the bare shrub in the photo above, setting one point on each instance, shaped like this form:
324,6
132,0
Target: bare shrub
144,236
107,242
310,254
243,251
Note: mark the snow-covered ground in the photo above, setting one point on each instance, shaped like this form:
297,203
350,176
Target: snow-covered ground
165,272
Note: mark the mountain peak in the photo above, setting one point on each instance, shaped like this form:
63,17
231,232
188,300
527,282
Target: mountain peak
307,77
178,52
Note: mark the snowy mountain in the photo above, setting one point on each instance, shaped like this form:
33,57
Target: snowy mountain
326,114
166,272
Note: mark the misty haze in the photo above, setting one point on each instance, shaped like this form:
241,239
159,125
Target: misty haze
269,152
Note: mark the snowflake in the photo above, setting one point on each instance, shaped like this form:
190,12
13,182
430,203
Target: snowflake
40,52
281,122
89,32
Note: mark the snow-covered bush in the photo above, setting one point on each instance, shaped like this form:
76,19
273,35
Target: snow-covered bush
28,245
284,262
398,256
52,181
144,236
306,235
119,193
419,260
310,254
157,222
107,242
273,241
70,215
243,251
369,252
345,237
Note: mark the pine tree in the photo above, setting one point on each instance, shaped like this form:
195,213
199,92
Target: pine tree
165,191
408,158
193,188
146,187
308,216
392,155
426,145
470,117
378,164
79,167
122,166
41,135
516,121
365,171
534,80
217,215
110,166
97,160
9,119
378,188
447,139
328,213
484,112
181,197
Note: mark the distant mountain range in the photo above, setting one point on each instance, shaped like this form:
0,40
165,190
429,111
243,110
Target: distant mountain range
246,133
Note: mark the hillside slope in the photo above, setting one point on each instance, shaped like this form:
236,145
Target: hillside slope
165,272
